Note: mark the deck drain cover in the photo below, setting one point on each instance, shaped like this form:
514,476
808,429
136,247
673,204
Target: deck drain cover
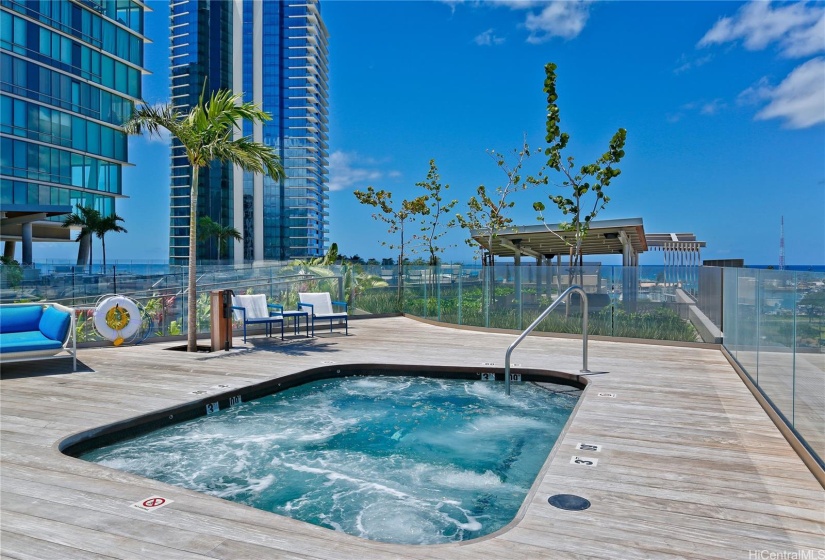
569,502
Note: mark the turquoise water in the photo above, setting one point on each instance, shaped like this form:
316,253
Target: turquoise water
396,459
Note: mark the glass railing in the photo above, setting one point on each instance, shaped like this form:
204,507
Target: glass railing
634,302
773,321
774,324
623,301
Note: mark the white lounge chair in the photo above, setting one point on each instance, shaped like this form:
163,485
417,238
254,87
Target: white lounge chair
253,309
320,306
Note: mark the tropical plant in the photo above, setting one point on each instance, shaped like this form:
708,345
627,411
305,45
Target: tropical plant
206,134
594,177
209,228
88,220
109,224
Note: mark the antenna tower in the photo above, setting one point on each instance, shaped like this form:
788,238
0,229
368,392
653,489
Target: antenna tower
782,243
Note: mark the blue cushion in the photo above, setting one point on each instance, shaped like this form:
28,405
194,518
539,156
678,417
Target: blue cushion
19,318
54,323
26,342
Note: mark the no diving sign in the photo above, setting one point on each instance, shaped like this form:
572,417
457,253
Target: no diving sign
152,503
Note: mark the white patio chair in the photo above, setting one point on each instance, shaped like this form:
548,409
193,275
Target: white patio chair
253,309
320,306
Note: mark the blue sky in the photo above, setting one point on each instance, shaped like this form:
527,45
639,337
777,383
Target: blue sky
723,102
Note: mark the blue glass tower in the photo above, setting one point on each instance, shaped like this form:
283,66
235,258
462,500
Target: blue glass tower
70,73
275,53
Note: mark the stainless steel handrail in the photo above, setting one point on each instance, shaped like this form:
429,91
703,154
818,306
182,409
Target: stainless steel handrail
579,290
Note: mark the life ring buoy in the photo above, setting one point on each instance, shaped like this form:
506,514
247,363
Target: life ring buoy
116,318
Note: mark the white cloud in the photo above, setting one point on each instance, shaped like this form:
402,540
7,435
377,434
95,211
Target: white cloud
799,99
488,38
559,18
798,29
712,107
517,4
348,169
545,19
686,63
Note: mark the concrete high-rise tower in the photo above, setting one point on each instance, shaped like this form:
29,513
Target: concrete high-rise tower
275,53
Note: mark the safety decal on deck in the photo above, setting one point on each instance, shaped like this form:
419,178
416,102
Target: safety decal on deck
584,461
608,395
589,447
152,503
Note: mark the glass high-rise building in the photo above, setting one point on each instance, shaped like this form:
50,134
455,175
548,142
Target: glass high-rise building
70,72
275,53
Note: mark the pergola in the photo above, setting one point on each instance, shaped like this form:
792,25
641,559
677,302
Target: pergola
624,237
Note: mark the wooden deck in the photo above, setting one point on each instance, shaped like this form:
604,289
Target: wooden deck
690,466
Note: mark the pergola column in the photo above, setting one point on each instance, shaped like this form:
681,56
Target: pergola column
27,243
8,249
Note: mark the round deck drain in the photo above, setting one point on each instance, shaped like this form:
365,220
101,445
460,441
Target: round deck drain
569,502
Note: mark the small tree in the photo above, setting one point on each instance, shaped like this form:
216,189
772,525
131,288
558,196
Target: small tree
487,213
209,228
396,218
594,177
109,224
436,211
88,220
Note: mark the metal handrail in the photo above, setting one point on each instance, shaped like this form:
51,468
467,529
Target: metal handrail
579,290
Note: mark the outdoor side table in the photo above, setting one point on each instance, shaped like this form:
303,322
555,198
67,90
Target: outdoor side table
296,319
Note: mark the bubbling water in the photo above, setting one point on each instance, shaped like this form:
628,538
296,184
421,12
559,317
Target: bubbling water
410,460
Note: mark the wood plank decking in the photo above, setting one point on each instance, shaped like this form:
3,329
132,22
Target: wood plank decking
690,467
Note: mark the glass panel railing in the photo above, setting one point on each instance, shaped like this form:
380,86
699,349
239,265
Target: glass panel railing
775,340
774,326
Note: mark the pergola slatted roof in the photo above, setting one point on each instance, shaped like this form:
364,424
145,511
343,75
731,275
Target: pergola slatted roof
606,237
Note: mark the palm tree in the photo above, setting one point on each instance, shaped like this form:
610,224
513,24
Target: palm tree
209,228
88,219
205,132
107,225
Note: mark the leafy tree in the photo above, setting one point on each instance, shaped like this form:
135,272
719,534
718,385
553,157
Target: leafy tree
594,177
396,218
11,271
209,228
436,211
488,212
109,224
88,220
206,134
